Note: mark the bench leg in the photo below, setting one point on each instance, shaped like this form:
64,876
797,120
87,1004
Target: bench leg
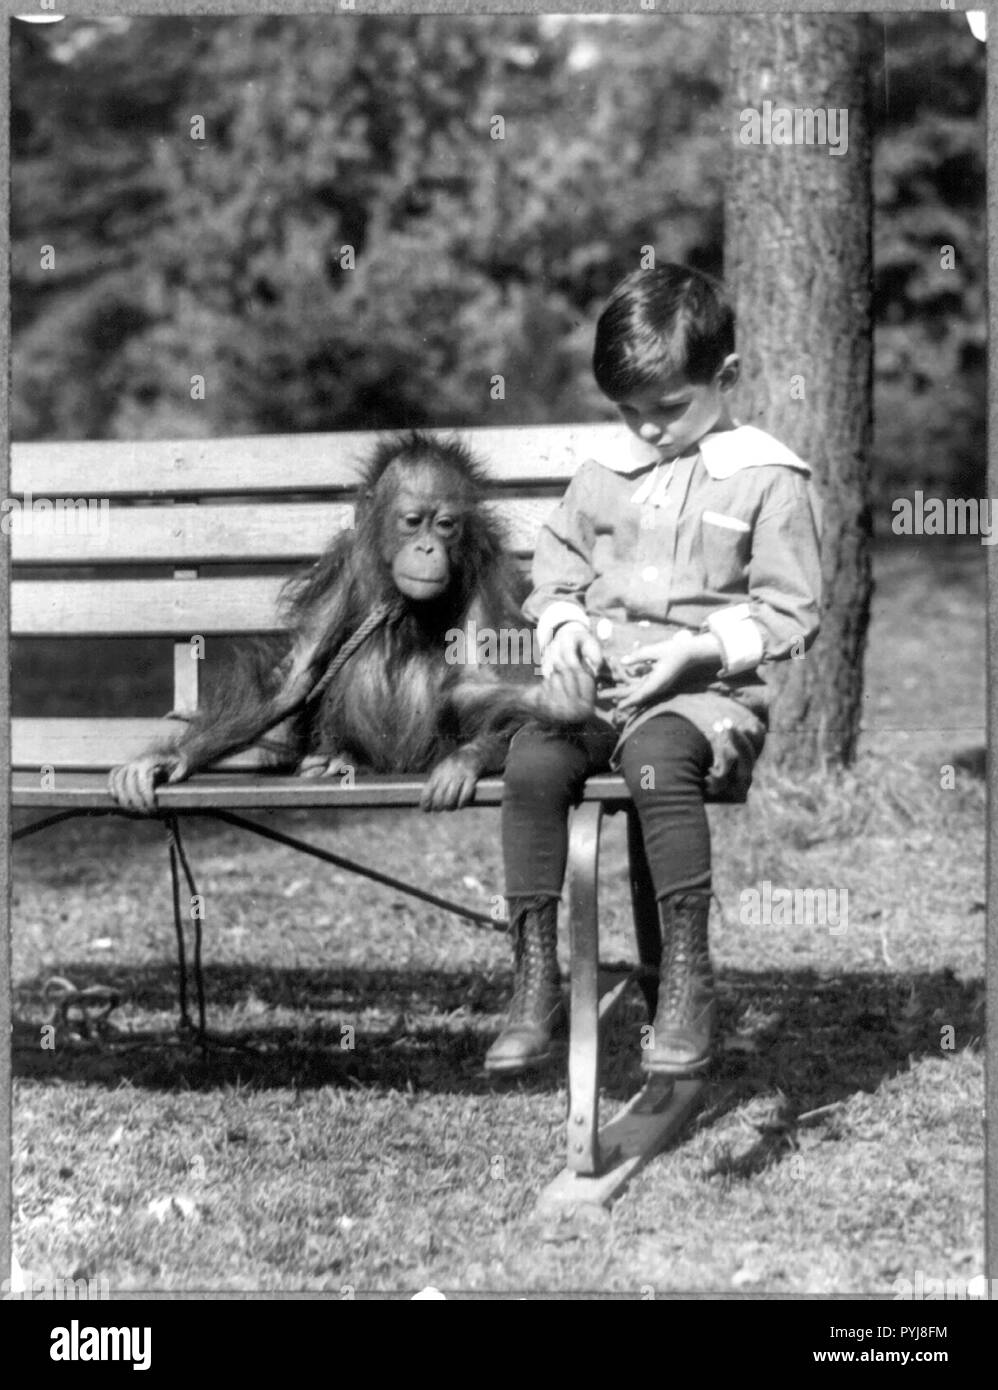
583,1059
602,1162
645,908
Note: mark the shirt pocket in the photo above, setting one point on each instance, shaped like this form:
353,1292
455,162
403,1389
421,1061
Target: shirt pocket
727,549
604,553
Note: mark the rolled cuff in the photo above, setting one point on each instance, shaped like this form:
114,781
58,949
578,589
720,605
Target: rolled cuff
740,637
557,613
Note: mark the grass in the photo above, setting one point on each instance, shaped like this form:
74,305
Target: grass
841,1144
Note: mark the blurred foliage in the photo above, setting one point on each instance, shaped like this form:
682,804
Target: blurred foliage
930,253
473,255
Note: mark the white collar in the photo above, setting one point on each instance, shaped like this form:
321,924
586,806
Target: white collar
723,453
746,447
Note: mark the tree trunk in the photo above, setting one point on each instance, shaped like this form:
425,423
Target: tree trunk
798,263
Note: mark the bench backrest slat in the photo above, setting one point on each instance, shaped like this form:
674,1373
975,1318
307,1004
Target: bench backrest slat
518,458
92,745
218,533
144,607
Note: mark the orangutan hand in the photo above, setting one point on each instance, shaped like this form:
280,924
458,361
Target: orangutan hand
133,785
451,784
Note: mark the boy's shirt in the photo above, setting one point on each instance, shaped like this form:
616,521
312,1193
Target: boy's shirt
725,540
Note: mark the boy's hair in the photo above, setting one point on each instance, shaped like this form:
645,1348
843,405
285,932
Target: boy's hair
658,323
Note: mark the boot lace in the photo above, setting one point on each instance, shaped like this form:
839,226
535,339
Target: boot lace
686,962
536,982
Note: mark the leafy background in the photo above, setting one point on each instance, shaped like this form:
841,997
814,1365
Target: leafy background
474,255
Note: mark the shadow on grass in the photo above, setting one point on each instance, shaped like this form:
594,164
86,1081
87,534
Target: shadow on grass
807,1038
821,1040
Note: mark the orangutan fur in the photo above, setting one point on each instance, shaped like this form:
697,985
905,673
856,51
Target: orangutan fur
426,549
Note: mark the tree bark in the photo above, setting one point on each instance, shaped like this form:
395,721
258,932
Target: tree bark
798,263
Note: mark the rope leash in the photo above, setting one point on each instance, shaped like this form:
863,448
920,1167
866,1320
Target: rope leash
178,856
378,615
92,1006
375,619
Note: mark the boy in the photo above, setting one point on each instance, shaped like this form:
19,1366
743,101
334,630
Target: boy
670,574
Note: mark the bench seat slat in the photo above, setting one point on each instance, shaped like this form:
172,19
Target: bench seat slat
276,464
221,533
144,607
88,791
81,751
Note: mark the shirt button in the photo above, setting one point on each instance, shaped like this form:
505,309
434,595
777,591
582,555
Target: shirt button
649,574
604,629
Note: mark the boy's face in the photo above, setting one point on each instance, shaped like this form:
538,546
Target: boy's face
675,415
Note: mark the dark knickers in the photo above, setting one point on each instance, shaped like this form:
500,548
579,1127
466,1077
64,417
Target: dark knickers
664,763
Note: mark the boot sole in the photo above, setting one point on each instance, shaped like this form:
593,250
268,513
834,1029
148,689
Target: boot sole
514,1066
518,1068
676,1068
558,1031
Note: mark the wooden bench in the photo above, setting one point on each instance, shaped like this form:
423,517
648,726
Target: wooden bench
163,512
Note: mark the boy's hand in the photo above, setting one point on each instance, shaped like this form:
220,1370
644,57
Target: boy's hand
669,660
572,648
567,697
